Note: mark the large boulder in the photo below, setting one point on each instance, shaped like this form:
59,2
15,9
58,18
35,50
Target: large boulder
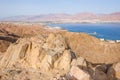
79,74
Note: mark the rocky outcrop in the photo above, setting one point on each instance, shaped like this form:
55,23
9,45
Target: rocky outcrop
81,62
43,52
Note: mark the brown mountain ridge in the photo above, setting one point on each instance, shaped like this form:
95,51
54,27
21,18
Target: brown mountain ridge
79,17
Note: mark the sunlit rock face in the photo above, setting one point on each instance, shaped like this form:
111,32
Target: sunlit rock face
40,52
79,74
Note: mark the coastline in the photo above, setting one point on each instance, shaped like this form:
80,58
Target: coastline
60,28
110,41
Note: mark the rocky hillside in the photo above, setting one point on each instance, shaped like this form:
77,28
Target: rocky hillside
10,32
60,55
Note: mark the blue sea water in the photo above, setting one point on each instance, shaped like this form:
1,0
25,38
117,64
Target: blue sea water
109,31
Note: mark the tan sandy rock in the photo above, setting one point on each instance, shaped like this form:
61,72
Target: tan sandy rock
79,74
39,53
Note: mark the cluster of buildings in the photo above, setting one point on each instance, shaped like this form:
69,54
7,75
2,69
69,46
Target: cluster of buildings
110,41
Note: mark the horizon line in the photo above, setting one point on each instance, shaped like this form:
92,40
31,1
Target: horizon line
60,13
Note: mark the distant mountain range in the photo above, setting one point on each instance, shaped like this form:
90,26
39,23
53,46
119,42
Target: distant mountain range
61,18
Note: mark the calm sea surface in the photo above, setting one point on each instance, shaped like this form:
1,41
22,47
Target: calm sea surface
109,31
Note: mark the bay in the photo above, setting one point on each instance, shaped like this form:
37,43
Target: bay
108,31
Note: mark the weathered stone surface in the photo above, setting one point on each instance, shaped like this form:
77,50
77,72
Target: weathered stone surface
114,72
79,74
80,61
39,53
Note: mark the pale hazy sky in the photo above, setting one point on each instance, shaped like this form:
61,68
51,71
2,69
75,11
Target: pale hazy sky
35,7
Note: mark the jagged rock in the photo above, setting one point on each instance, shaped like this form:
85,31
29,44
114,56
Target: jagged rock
80,61
79,74
45,53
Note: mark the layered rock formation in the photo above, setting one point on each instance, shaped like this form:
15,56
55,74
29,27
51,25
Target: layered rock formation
40,52
49,54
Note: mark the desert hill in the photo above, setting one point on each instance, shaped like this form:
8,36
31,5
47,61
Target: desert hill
10,32
92,49
52,54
